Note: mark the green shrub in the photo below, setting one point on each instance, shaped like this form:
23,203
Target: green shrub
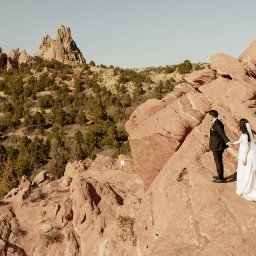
170,69
185,67
2,193
199,66
35,120
92,63
78,85
132,76
53,236
22,160
46,101
60,117
3,154
80,117
169,86
126,224
96,109
78,151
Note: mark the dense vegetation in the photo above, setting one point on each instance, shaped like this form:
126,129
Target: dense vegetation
52,113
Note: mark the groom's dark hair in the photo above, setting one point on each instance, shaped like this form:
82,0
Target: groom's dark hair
214,113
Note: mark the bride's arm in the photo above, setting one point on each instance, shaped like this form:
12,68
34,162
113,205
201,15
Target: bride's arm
236,142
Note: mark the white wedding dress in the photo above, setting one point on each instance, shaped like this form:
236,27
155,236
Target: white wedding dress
246,174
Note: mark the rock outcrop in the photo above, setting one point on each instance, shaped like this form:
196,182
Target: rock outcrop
227,65
248,59
63,48
182,211
23,57
13,59
163,129
83,213
200,77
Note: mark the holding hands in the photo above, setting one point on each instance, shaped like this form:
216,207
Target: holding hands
232,143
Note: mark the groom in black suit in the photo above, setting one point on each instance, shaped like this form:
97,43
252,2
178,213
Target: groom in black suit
218,143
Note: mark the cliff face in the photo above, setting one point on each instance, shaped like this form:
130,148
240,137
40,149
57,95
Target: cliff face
163,202
63,48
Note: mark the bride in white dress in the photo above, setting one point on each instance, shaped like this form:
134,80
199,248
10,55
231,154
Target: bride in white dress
246,167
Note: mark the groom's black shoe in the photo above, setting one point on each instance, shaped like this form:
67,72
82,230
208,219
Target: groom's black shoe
215,177
218,181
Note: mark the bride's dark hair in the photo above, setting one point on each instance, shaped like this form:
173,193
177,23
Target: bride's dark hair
242,125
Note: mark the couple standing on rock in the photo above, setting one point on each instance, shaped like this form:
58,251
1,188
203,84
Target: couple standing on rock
246,167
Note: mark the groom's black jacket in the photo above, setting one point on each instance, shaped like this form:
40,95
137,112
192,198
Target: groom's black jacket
218,138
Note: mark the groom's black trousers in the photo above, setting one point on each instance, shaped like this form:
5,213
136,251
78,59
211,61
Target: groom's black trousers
219,164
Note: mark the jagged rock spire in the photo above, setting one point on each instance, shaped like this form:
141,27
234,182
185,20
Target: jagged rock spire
63,48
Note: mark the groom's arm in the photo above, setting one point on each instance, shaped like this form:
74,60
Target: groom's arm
221,133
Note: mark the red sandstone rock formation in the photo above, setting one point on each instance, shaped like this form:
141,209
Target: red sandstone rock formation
75,215
227,65
62,49
248,59
200,77
182,211
14,58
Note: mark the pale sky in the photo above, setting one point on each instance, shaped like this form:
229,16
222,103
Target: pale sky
133,33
